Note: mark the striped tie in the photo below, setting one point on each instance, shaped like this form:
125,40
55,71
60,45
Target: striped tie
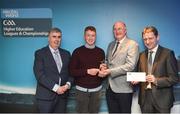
57,60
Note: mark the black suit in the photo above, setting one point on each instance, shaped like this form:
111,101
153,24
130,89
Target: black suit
47,76
165,71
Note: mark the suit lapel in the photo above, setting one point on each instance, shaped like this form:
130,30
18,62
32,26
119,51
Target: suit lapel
156,58
121,45
111,50
146,61
62,56
51,58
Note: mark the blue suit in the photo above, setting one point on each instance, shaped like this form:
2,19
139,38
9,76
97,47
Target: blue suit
47,76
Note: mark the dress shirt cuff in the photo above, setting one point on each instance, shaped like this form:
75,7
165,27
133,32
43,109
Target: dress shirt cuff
55,88
69,85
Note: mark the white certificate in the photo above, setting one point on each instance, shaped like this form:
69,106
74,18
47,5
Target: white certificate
136,76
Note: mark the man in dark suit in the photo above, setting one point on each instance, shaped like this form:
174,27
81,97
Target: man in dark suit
160,65
51,71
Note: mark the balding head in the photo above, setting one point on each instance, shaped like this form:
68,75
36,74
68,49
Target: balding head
119,30
120,23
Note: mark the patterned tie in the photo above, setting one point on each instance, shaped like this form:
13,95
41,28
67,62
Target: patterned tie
117,44
150,62
57,60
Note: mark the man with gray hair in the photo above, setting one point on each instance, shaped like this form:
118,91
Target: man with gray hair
51,72
122,56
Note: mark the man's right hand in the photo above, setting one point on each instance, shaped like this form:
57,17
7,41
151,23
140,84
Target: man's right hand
92,71
134,82
62,89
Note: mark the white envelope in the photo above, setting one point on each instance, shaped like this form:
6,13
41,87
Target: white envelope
136,76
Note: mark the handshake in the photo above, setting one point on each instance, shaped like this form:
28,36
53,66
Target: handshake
103,71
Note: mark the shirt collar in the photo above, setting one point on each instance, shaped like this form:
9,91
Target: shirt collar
154,49
121,39
52,50
89,46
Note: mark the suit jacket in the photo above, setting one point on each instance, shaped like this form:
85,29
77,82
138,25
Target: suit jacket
123,61
165,71
46,72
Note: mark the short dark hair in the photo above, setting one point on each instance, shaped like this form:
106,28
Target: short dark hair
150,29
55,29
92,28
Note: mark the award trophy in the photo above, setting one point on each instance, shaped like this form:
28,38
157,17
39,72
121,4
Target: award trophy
103,65
149,85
